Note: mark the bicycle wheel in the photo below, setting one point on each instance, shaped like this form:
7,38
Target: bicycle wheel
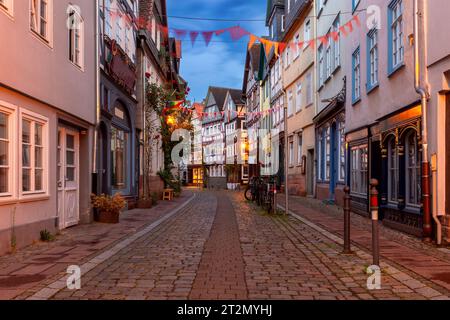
248,194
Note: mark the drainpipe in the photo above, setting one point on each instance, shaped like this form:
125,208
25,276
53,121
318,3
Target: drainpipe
435,217
97,96
422,91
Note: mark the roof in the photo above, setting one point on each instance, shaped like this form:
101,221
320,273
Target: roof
219,95
236,95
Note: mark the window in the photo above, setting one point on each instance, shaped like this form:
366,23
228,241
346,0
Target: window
32,151
39,18
320,5
307,33
5,152
119,30
309,89
336,45
75,38
288,6
287,60
299,149
108,25
119,145
328,62
291,153
413,170
359,169
290,102
298,98
321,66
355,4
372,59
342,149
283,23
393,161
320,154
356,75
395,46
297,49
327,150
7,5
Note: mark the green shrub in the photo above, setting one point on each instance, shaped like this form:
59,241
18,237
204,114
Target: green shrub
47,236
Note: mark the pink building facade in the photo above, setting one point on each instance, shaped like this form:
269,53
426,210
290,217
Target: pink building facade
47,115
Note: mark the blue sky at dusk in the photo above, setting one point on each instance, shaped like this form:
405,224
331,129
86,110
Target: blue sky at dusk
222,62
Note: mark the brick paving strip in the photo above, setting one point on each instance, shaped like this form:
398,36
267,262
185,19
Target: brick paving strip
221,271
425,266
39,266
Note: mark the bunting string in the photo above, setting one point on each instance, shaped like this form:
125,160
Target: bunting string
236,33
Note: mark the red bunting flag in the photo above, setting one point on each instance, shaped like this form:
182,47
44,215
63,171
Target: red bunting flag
312,44
300,44
193,35
334,35
282,47
356,19
324,40
219,32
237,33
349,25
180,34
207,36
343,31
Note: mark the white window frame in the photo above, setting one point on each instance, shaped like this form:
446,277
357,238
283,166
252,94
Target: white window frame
359,174
298,97
34,118
398,49
7,6
299,149
290,103
373,57
321,58
356,74
393,197
291,153
416,168
78,31
307,34
11,112
36,30
336,45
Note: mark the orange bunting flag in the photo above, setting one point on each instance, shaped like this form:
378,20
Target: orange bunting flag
251,41
276,46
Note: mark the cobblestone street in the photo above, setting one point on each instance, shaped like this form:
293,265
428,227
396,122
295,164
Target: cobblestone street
218,246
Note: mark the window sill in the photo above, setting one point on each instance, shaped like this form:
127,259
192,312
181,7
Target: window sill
393,70
41,38
32,197
356,101
372,87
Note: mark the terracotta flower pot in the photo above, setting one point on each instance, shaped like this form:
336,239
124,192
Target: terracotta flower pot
108,217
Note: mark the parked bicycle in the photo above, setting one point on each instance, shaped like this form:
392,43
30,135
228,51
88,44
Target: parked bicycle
262,192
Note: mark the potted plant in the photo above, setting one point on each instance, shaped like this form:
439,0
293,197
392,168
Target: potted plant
108,207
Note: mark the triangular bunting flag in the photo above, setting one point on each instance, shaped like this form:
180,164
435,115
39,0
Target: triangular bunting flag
300,44
237,32
324,40
356,19
219,32
349,25
281,47
334,35
180,34
193,35
312,44
207,36
343,31
251,41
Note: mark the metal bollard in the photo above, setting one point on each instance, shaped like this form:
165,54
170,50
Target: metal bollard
374,213
347,249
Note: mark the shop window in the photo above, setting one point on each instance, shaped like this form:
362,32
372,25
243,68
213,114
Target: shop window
359,169
413,170
393,171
